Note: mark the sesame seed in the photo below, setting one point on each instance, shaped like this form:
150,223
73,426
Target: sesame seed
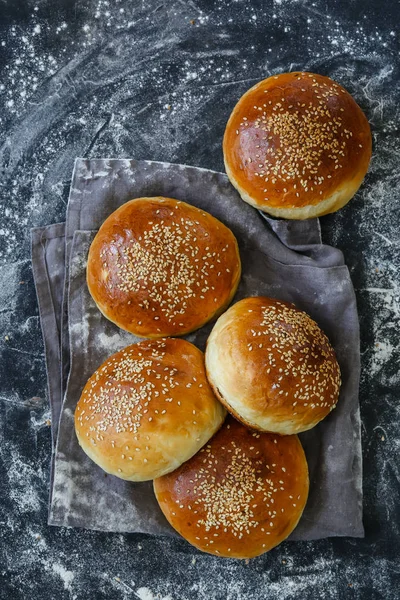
309,134
168,263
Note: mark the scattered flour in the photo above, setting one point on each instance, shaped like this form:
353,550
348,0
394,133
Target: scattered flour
383,354
66,576
145,594
23,488
115,341
11,275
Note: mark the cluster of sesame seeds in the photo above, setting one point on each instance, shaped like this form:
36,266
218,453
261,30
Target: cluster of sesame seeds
122,401
297,138
167,267
240,500
133,388
296,347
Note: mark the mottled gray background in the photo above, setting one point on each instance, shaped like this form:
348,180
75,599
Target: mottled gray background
155,80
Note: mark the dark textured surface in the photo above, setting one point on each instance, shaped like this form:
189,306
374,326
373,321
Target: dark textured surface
157,81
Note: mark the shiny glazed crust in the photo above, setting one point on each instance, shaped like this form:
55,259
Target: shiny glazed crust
159,267
297,146
241,495
147,409
272,367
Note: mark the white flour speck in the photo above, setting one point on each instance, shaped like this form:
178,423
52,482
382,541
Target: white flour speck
66,576
145,593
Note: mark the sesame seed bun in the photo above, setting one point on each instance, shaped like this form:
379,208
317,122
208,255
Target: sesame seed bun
272,367
159,267
241,495
297,146
147,409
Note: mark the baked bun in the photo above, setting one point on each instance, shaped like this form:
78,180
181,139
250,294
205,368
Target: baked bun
272,367
241,495
297,146
159,267
147,409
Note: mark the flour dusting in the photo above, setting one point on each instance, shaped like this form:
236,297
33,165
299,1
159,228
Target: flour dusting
145,594
66,576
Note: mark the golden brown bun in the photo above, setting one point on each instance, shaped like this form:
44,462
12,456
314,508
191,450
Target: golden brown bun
159,267
272,367
147,409
297,146
241,495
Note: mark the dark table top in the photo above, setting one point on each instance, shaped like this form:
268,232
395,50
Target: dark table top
157,80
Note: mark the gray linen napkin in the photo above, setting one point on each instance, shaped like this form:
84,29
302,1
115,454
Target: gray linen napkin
282,259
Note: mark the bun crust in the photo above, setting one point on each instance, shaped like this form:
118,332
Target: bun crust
147,409
297,146
272,367
241,495
160,267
